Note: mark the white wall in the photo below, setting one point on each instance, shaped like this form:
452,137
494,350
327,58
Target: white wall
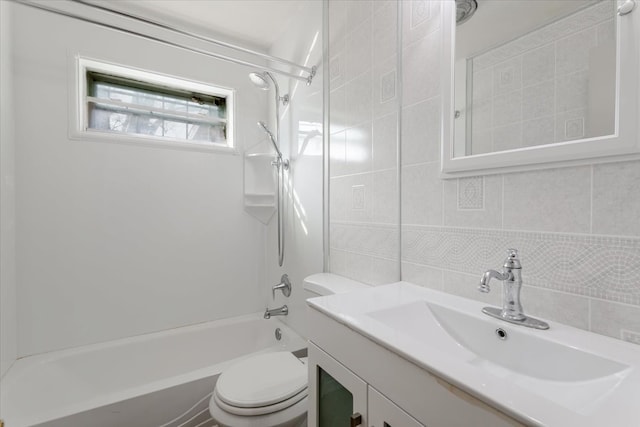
116,240
453,230
303,238
8,340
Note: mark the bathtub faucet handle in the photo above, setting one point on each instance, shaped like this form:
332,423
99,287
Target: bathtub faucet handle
284,286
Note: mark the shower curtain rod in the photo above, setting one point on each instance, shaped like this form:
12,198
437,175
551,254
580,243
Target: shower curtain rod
307,79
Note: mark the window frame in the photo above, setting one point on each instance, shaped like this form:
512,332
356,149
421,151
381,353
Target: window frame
80,127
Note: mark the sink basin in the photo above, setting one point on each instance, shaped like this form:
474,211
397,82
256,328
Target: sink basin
556,377
502,345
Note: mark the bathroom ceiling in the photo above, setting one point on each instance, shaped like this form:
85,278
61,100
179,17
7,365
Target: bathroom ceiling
258,23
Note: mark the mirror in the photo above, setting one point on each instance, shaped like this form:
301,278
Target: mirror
534,80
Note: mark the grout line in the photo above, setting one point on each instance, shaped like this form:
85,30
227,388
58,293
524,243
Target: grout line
591,170
502,204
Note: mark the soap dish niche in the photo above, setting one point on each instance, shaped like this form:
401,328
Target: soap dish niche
259,182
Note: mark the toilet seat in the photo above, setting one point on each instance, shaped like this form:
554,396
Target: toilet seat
260,385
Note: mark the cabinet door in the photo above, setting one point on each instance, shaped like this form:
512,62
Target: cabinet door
337,397
384,413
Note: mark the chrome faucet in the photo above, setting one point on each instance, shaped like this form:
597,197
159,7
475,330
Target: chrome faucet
284,286
280,311
511,275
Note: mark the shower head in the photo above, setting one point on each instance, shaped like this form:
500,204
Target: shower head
260,80
464,10
271,138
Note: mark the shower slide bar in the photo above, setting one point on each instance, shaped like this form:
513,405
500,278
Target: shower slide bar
307,79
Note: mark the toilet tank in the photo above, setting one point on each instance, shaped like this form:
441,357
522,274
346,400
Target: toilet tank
328,283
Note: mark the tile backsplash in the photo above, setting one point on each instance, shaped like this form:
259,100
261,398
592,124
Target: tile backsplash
577,228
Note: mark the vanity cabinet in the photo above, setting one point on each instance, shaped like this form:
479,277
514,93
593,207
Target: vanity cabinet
341,398
351,375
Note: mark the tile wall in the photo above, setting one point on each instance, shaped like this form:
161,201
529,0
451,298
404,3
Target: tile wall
577,228
364,196
535,89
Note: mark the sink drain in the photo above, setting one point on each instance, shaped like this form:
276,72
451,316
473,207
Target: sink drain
501,333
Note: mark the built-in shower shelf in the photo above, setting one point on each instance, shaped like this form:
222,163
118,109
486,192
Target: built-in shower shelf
259,182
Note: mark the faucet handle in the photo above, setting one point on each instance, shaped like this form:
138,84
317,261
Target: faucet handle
284,286
512,261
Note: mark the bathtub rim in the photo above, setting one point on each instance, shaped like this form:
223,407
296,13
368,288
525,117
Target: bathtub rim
15,372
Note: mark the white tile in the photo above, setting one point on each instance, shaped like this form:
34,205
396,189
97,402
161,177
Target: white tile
466,286
616,198
385,31
606,32
421,70
357,12
358,267
337,154
337,263
538,131
421,132
488,216
572,310
571,125
385,88
548,200
364,210
385,142
572,53
422,275
337,23
337,71
358,149
338,111
538,65
421,194
482,142
612,319
384,271
420,18
483,84
359,50
507,76
572,91
507,108
358,100
386,197
338,198
507,137
538,100
481,115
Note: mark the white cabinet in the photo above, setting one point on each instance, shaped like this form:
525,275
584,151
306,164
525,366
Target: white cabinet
399,392
384,413
339,398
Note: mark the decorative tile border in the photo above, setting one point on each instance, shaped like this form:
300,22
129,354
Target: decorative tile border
368,239
601,267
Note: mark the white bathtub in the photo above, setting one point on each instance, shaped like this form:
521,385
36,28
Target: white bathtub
156,369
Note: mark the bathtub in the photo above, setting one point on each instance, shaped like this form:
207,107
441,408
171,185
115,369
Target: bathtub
136,382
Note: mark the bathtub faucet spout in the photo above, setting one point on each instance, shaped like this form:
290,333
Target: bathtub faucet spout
281,311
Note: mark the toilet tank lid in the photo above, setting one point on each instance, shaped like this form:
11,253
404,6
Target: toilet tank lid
329,283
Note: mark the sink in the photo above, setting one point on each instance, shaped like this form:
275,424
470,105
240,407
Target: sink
573,378
504,345
555,377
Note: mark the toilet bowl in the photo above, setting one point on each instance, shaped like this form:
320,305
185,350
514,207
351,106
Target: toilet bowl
270,390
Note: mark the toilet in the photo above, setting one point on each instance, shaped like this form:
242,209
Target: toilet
270,389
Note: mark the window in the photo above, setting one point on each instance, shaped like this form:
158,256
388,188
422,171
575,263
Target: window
131,103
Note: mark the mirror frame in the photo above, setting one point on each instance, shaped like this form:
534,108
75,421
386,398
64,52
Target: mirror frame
624,144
